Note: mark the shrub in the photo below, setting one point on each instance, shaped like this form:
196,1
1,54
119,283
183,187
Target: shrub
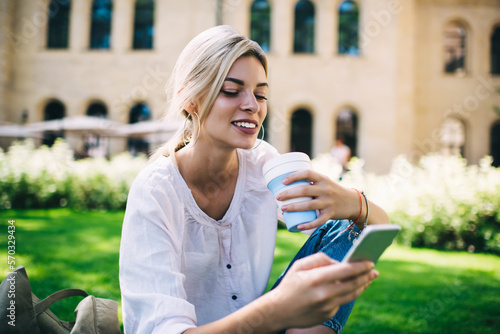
50,177
440,203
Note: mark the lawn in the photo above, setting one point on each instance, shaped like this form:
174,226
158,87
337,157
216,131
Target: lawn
418,291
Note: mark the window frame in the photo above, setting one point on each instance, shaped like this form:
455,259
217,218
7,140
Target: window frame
303,50
151,43
356,28
93,35
51,17
269,35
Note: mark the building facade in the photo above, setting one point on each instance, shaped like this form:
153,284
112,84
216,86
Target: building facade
389,76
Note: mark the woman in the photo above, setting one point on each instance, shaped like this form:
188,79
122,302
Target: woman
200,226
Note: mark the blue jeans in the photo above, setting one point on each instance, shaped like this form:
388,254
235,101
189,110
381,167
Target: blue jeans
329,240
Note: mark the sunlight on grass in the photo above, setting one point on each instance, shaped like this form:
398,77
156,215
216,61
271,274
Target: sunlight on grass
109,244
34,226
482,262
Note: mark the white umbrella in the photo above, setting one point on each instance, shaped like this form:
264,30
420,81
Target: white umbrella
77,123
16,130
54,125
144,128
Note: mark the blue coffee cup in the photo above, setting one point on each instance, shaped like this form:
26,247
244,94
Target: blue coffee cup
275,170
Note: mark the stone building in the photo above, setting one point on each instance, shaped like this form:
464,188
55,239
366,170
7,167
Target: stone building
390,76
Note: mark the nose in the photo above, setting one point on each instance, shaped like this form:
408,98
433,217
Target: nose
250,103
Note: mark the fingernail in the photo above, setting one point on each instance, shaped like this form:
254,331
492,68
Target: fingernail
283,208
285,180
376,273
278,197
300,227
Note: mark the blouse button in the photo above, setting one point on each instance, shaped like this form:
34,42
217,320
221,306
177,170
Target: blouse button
234,297
228,266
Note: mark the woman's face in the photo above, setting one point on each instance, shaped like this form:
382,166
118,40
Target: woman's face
240,108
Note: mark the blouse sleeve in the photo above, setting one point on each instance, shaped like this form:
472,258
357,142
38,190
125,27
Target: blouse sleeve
151,282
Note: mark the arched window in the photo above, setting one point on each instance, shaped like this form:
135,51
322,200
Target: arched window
144,24
495,144
452,135
100,29
347,129
348,33
495,51
304,27
52,111
138,113
58,25
97,109
454,48
260,24
301,132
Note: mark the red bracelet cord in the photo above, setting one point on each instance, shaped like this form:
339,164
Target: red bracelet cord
360,211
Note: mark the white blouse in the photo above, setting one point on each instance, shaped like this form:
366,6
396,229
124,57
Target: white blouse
179,268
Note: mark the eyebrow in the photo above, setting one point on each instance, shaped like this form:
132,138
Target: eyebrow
242,83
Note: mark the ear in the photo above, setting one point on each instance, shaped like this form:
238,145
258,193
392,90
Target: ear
190,107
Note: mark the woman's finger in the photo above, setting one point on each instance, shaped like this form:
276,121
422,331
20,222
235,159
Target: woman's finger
301,175
346,298
316,260
313,224
341,272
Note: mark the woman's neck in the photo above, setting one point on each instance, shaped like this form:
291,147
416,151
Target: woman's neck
211,176
198,164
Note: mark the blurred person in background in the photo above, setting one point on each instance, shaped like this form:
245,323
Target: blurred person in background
341,153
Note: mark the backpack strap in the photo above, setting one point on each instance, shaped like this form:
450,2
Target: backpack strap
57,296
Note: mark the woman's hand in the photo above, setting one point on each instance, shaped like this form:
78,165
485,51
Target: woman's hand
310,293
314,288
332,200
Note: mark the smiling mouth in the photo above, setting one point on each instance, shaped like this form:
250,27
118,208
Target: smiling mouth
246,125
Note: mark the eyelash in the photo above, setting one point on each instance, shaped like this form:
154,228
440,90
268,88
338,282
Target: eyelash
234,94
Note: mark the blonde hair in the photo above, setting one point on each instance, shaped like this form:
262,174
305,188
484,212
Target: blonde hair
198,76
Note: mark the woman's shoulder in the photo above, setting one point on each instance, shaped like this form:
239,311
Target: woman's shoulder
158,175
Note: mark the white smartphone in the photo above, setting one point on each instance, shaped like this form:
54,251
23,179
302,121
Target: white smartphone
372,242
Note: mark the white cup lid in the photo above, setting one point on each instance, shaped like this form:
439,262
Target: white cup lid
285,163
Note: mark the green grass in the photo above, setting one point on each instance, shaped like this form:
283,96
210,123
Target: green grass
64,249
418,291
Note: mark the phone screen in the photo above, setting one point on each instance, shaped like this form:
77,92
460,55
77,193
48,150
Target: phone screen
372,242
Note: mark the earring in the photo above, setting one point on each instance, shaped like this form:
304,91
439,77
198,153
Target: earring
184,130
199,129
261,139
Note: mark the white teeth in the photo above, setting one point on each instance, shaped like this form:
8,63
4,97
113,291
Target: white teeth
246,125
